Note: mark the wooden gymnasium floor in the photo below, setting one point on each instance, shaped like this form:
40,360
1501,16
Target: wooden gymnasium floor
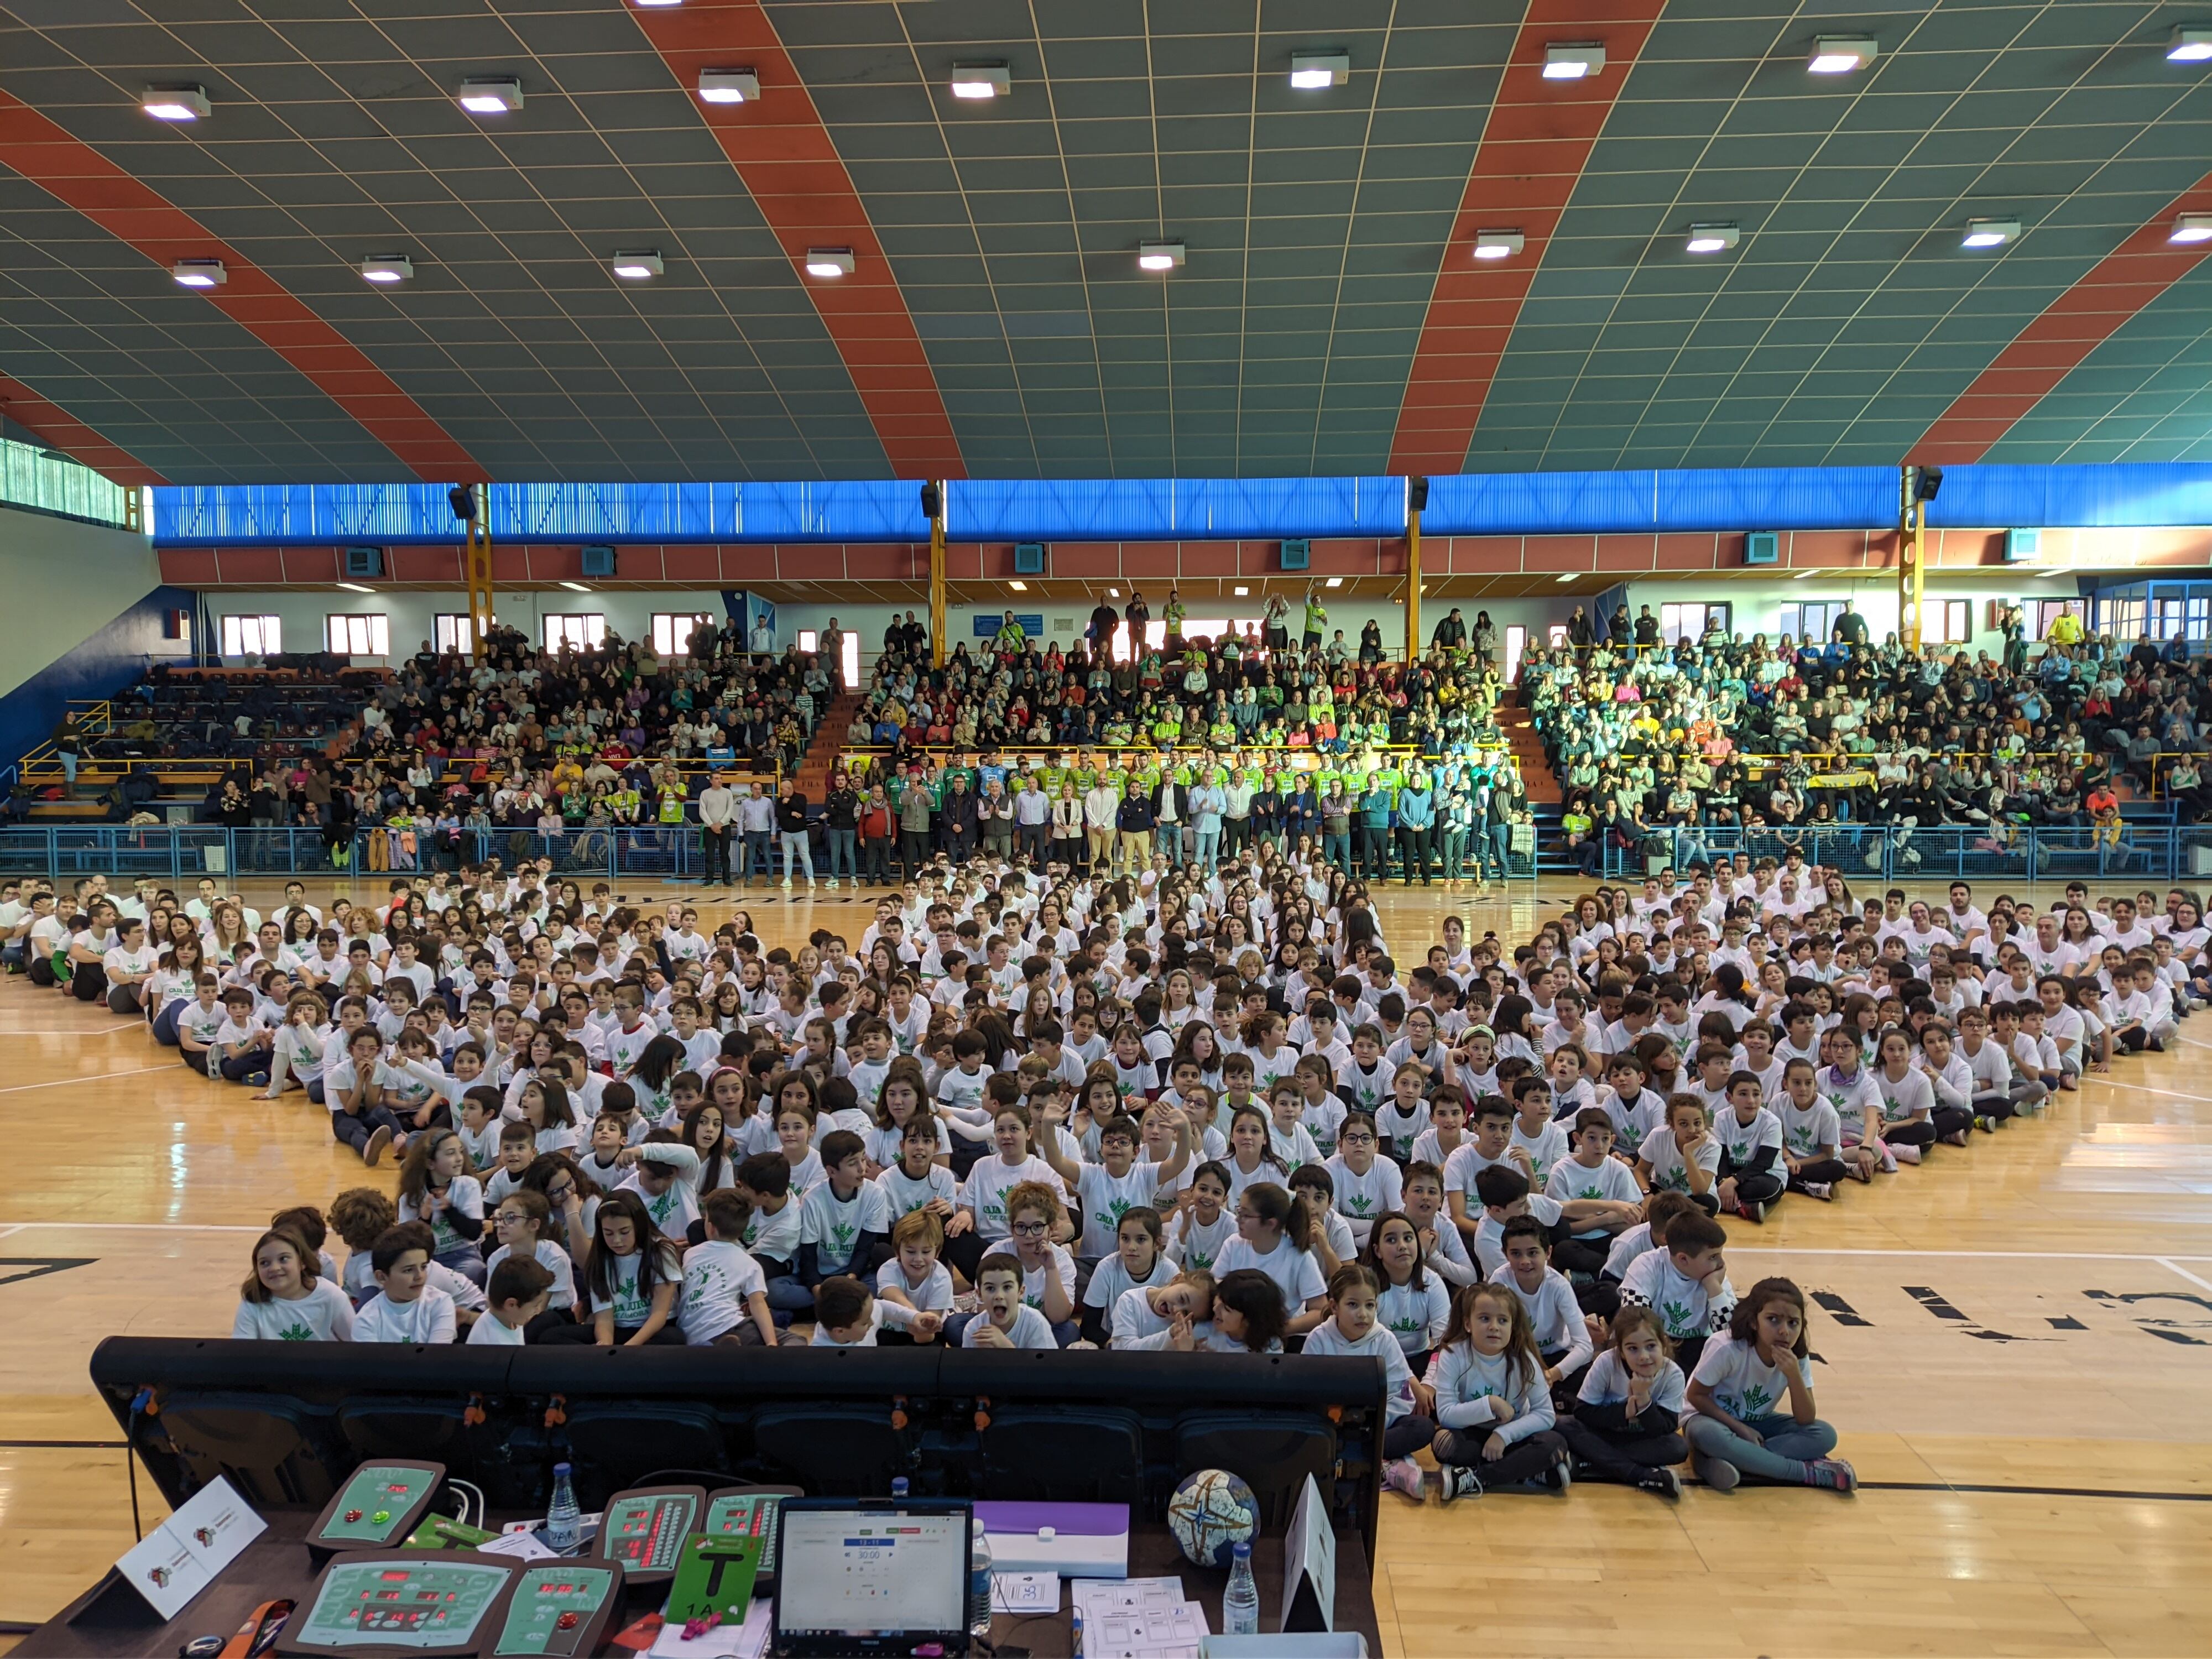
2013,1337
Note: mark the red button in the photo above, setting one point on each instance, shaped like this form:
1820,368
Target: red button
566,1621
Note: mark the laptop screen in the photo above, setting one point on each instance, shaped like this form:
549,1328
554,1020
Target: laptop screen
872,1571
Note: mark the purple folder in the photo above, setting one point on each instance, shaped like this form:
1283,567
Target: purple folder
1087,1541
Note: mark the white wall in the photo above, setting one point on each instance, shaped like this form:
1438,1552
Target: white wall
64,582
1756,606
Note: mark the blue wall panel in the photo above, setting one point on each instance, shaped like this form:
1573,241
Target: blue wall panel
98,666
2145,495
1172,509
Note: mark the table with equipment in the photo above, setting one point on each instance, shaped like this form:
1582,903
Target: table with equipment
276,1565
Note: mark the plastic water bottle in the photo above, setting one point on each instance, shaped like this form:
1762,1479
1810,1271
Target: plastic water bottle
1240,1602
563,1520
979,1581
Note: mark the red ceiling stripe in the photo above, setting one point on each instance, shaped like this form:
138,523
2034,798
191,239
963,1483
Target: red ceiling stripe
1534,147
57,429
2075,323
791,168
82,177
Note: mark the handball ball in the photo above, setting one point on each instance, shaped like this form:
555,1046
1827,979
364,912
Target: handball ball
1211,1511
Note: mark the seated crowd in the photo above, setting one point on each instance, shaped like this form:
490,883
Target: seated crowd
1173,1110
1796,737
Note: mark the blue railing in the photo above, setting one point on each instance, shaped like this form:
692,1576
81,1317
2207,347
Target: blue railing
2144,851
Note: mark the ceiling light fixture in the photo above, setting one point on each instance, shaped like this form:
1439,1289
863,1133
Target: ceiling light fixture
1499,244
1020,588
1568,576
2189,44
639,265
2191,227
1573,60
1159,256
976,81
387,268
656,2
575,587
176,103
1806,575
1714,237
829,262
1990,233
492,96
1313,71
738,85
1334,581
200,273
356,587
1113,592
1241,592
1840,54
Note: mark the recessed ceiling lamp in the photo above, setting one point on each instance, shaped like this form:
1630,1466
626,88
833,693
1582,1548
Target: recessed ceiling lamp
176,103
1334,581
1715,238
1990,233
1566,577
1159,256
656,2
199,273
2189,44
2191,227
1020,588
494,95
1573,60
575,587
1497,243
1841,54
1113,592
638,265
1807,574
981,81
387,268
829,262
1241,593
356,587
1313,71
739,86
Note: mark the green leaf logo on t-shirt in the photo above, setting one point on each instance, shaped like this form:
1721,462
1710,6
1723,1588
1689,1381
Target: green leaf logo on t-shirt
1358,1203
1403,1324
841,1235
1756,1401
1198,1260
1678,1319
295,1333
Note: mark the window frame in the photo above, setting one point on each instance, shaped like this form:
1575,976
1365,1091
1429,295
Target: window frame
371,623
230,634
552,629
666,622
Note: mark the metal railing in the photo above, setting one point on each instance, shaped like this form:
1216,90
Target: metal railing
2143,849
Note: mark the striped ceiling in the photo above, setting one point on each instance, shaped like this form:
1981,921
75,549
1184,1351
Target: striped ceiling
1328,319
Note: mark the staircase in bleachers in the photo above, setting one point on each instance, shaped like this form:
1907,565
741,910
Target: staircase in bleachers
1536,776
813,776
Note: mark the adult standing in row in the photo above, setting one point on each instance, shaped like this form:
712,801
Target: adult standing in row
718,817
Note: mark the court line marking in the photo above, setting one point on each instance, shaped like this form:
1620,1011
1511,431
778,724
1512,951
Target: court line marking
2036,1491
2205,1284
112,1031
141,1227
98,1077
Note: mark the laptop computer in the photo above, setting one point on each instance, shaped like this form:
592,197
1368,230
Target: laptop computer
870,1576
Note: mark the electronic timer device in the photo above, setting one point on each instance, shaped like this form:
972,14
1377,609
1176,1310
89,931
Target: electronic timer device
421,1604
380,1504
749,1512
558,1609
644,1528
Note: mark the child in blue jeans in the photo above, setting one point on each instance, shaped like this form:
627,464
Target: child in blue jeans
1750,1412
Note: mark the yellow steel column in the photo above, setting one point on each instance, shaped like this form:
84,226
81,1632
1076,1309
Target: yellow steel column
1413,584
1911,525
938,650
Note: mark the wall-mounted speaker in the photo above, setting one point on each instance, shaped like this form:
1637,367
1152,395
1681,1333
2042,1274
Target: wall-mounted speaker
1029,558
364,564
1297,554
1762,547
599,561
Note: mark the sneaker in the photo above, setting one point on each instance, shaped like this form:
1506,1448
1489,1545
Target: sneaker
1559,1477
1956,1138
786,883
1403,1476
1454,1483
373,1152
1754,1211
1833,1474
1986,1124
1716,1475
1820,1189
1905,1154
1665,1482
833,883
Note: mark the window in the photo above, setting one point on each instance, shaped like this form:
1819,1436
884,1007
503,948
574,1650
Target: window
1194,628
345,634
2166,618
1814,620
849,668
2199,616
1517,641
2048,612
1687,622
671,631
253,636
1946,622
452,631
577,630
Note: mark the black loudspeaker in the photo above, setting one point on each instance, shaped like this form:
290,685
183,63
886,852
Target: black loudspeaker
599,561
463,501
1926,480
933,501
1417,495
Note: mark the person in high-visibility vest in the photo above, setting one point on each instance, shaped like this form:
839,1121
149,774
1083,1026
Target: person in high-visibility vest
1316,618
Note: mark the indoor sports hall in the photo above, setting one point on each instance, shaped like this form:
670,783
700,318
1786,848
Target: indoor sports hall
1140,586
